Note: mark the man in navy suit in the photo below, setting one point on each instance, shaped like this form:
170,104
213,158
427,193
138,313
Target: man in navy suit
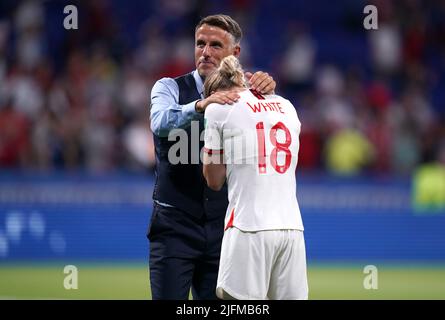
187,224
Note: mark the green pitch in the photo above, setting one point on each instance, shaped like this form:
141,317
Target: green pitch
130,281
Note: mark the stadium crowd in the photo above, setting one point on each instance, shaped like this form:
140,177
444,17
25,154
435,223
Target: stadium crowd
369,100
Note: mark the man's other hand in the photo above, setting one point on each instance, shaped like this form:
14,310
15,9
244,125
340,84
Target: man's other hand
261,82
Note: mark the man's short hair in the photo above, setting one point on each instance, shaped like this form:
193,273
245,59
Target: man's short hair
224,22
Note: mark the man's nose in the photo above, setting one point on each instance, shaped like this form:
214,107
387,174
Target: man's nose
206,51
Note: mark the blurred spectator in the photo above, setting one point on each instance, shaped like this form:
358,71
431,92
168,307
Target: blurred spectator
429,187
4,34
386,48
79,99
14,137
150,55
309,155
46,141
139,143
29,21
298,61
348,152
406,151
378,129
336,112
27,96
134,91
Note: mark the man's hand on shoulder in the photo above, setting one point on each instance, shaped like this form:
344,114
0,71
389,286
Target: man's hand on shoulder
261,82
220,97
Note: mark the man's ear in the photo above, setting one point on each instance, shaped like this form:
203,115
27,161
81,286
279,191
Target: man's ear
237,51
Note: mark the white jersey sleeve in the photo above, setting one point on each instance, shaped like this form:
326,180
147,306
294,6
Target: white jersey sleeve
214,118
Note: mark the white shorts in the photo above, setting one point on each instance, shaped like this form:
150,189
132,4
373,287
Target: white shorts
263,265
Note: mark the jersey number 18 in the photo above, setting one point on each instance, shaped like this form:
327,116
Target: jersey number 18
278,147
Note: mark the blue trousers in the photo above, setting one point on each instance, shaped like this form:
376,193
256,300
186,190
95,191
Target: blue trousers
184,254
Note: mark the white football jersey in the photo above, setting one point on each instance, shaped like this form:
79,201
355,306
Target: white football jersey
259,137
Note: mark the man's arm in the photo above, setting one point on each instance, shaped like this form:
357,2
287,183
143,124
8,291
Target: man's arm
222,97
166,113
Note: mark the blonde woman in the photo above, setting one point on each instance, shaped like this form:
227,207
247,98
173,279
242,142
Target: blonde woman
253,144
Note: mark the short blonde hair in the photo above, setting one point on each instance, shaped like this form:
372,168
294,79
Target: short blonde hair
228,75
